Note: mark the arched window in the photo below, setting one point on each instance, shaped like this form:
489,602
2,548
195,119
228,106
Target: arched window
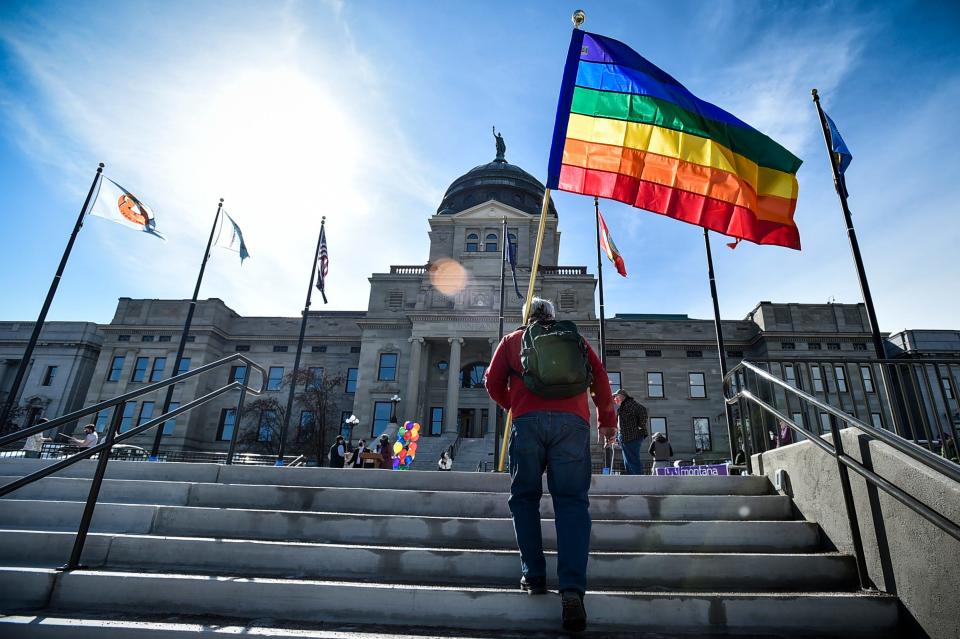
491,244
513,242
471,375
473,243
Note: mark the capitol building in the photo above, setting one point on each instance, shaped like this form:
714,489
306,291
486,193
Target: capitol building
427,335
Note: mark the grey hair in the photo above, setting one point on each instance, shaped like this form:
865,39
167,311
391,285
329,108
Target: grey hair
541,309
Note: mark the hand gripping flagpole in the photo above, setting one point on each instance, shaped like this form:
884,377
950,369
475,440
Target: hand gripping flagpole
155,451
25,360
578,18
296,359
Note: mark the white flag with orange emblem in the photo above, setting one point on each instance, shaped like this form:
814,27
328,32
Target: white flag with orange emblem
119,205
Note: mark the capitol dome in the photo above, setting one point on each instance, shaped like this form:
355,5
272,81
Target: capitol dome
499,180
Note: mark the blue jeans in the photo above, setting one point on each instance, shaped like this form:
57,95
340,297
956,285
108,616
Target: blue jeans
631,457
560,444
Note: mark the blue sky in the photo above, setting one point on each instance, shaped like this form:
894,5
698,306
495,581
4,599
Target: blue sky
366,111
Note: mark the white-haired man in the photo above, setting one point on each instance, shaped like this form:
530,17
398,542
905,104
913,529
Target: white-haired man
543,372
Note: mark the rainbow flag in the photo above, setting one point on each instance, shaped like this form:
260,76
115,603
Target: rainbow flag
627,131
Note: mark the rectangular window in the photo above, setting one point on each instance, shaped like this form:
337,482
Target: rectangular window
735,354
184,365
237,373
103,418
436,420
146,413
701,434
876,419
381,418
698,385
140,369
798,419
280,349
163,338
318,349
354,349
833,346
305,426
790,375
243,348
816,373
387,371
116,367
123,338
225,428
652,353
947,387
49,375
351,386
654,384
146,338
268,420
129,410
824,423
614,377
788,346
859,347
191,338
694,353
841,376
813,346
344,426
658,425
275,378
317,378
156,373
610,352
867,374
170,424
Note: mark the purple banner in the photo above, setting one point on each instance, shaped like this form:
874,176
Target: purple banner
702,471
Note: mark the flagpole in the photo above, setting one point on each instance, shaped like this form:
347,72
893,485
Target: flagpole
534,267
155,451
603,332
13,396
721,349
296,360
503,274
840,186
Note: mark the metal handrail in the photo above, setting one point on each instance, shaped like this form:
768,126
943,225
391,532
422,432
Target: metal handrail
112,438
454,448
844,461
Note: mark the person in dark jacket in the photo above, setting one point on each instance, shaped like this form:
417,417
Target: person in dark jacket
358,454
552,435
337,453
386,452
632,420
661,450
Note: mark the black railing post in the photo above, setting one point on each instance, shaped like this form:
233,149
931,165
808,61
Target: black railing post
850,506
237,416
81,538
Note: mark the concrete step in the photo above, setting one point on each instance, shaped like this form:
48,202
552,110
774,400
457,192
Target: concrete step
424,503
443,607
407,480
397,564
443,532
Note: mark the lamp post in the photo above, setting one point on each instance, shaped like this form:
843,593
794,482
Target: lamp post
351,422
393,408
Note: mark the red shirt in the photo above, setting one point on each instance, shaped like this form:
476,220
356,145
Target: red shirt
506,387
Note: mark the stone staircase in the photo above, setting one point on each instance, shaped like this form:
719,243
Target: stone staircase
202,549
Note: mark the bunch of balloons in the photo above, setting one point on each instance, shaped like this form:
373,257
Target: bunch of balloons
405,447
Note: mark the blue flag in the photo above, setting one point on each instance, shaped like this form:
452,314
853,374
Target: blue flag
512,258
231,238
838,146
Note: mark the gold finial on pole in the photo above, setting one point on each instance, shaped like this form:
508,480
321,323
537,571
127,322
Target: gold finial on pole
578,18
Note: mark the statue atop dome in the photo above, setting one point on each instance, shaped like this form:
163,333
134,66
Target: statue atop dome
501,146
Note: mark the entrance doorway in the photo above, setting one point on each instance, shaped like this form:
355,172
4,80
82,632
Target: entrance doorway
465,421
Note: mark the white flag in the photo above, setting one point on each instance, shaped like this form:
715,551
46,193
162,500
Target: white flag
119,205
231,238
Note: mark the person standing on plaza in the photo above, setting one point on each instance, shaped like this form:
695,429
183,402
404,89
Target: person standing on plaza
543,372
661,450
33,444
358,454
386,452
338,453
632,422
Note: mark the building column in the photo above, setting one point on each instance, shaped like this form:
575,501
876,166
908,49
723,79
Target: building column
453,386
494,408
413,378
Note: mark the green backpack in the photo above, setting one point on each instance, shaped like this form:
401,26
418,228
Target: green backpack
554,360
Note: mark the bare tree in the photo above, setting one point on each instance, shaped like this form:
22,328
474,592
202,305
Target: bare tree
314,422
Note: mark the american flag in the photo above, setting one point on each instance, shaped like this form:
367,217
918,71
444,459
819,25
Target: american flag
323,264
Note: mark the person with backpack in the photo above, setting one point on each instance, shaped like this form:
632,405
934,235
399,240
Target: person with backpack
661,450
543,372
632,421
